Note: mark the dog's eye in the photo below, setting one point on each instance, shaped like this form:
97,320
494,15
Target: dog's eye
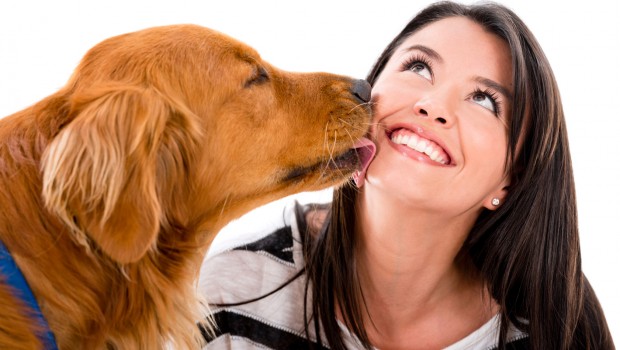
260,76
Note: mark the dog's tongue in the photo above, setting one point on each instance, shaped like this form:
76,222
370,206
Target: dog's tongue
366,150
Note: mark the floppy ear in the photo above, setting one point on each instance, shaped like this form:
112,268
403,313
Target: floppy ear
99,171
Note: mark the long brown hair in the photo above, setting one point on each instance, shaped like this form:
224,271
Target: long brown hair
527,250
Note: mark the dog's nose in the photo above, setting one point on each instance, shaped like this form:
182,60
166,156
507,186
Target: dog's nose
361,90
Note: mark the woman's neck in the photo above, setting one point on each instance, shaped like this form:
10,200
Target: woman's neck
414,281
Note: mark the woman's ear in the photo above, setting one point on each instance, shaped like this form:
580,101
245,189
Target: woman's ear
99,171
497,197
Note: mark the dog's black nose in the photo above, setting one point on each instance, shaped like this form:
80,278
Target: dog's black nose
361,90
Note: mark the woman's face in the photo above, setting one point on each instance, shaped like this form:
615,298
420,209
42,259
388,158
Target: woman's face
441,114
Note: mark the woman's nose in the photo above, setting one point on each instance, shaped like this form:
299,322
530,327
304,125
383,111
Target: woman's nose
434,110
440,120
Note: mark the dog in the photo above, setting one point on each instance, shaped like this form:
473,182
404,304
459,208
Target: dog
113,187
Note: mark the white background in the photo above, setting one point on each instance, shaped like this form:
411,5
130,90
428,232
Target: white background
41,43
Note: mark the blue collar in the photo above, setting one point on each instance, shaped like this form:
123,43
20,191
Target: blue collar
16,280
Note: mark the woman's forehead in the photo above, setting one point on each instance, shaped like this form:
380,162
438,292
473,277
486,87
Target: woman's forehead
461,42
451,30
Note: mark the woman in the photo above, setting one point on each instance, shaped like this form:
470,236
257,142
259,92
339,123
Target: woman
461,233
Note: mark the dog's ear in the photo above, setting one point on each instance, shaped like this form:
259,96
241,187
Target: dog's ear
99,172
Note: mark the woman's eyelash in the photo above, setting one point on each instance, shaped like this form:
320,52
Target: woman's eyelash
492,95
420,59
417,59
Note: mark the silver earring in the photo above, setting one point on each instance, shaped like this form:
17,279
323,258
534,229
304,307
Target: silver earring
495,201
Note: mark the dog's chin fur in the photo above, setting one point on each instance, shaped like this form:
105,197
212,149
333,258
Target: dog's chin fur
113,188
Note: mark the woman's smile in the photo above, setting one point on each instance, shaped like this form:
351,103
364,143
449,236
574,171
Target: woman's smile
413,142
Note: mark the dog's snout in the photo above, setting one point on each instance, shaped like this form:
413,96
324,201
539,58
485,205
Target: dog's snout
361,90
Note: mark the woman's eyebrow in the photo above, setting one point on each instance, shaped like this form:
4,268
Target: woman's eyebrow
486,81
427,50
495,86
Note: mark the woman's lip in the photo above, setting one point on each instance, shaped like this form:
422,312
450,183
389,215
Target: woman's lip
420,131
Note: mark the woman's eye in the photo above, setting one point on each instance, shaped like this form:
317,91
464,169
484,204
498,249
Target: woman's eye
485,101
421,69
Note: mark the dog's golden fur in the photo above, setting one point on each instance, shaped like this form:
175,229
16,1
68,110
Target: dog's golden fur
112,188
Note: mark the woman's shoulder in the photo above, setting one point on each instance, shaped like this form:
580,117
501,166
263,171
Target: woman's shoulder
263,245
486,338
272,227
254,282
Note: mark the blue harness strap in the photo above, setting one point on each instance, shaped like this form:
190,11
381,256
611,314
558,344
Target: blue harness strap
15,279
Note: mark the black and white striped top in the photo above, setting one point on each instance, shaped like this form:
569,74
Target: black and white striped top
241,267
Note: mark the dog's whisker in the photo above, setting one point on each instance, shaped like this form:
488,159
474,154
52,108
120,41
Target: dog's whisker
344,122
331,150
359,106
326,147
351,136
330,153
325,142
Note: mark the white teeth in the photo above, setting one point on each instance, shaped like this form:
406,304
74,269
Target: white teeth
429,150
421,145
399,139
413,142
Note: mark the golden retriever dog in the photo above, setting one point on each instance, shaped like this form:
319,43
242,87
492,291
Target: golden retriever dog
113,188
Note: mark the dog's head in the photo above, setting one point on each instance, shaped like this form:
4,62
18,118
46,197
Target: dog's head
177,125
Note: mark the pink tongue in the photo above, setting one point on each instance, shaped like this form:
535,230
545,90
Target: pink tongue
366,150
